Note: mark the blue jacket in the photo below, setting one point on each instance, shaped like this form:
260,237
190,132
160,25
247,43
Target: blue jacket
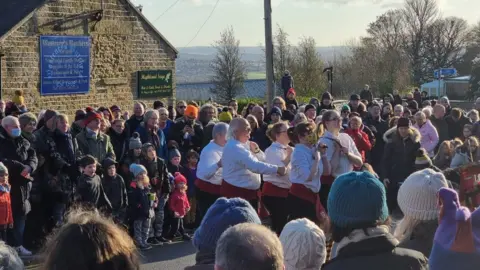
161,145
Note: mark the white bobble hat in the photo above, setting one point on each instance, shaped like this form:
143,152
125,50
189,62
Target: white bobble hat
417,196
304,245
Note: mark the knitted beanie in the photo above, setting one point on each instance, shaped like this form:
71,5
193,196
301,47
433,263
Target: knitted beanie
276,111
345,108
223,214
291,91
303,244
310,107
137,169
179,178
422,157
191,111
92,115
3,168
456,244
26,119
135,142
417,196
174,153
357,199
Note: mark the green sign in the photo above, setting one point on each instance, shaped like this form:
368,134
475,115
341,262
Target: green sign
155,83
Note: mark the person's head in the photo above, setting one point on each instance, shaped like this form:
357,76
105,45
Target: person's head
355,123
332,121
299,118
233,103
207,113
438,111
403,127
99,244
163,112
252,120
223,214
9,259
420,118
135,144
104,125
93,121
427,111
192,157
149,152
279,102
473,115
62,123
311,111
107,114
357,200
49,118
172,112
398,110
467,130
291,94
150,119
157,104
175,156
190,113
138,109
393,121
354,100
275,115
116,112
471,144
304,133
239,130
180,182
3,174
304,245
261,249
258,112
387,109
219,133
326,99
345,111
89,165
278,133
406,113
456,114
118,125
12,126
444,101
28,122
110,165
387,99
314,102
140,174
417,198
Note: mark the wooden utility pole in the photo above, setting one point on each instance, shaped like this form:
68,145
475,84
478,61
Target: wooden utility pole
269,52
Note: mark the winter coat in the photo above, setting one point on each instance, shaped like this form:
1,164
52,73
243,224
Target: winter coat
6,217
75,129
397,100
132,124
259,136
178,203
378,128
377,253
173,169
125,167
116,192
461,159
156,138
207,133
287,83
90,192
422,237
167,128
429,137
367,95
158,174
325,107
417,96
358,110
194,142
99,147
442,128
399,155
291,101
455,128
119,143
361,141
17,154
191,175
141,207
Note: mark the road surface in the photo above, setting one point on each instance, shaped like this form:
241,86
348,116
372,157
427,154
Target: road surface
174,256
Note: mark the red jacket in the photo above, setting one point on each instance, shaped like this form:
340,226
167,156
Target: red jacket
361,141
6,217
179,202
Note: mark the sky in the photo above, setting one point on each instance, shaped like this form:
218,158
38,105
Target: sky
329,22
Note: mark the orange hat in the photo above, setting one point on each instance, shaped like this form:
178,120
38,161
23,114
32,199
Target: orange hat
191,111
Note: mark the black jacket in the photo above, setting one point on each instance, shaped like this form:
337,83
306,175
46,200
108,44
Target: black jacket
116,191
378,128
399,155
141,207
119,143
259,136
195,142
455,128
377,253
157,169
287,83
132,124
90,192
17,154
442,128
367,95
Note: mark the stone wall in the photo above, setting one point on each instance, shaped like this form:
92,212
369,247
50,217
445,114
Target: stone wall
121,44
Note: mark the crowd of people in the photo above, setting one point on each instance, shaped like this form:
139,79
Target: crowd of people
371,184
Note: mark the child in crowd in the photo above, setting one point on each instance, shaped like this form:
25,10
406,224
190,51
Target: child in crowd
6,218
174,163
180,206
291,98
159,180
115,190
190,173
133,157
142,203
89,188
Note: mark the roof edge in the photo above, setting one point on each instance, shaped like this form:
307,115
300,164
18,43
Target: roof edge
22,21
139,13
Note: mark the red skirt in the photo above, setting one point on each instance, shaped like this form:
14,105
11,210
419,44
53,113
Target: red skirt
304,193
208,187
230,191
272,190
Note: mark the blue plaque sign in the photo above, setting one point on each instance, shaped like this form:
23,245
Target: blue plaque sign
64,65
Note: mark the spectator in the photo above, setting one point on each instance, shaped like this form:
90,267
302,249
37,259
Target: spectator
28,123
397,99
428,133
445,153
359,137
467,131
104,125
92,142
417,96
207,117
172,113
423,161
311,112
393,123
259,134
174,164
180,206
137,118
456,121
466,153
367,94
287,83
190,173
388,98
79,123
165,124
299,118
133,157
234,105
398,110
345,115
438,121
107,114
417,198
180,109
225,117
116,191
187,132
446,103
428,110
248,109
304,245
6,218
275,115
99,244
116,112
290,99
399,157
150,133
354,105
19,157
326,103
378,127
261,248
387,112
454,246
157,104
359,224
223,214
279,103
120,138
9,258
314,102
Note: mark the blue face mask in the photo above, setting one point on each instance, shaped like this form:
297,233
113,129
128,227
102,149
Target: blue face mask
16,132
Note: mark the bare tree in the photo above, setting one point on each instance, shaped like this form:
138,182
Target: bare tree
228,68
308,68
282,53
388,30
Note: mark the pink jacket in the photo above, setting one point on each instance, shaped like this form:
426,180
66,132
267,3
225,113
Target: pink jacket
429,137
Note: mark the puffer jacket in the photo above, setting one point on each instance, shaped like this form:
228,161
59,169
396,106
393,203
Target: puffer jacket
99,147
429,137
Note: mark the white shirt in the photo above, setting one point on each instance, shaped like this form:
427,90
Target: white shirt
241,168
301,164
276,154
207,169
344,165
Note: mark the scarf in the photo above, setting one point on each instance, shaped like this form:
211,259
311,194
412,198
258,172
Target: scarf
5,188
360,235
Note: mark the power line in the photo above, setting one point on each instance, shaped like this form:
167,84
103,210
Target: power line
205,22
166,10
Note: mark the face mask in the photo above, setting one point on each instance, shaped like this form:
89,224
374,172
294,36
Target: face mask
16,132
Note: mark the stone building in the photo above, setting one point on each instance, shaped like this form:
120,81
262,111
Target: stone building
122,42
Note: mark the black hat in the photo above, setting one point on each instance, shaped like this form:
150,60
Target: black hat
309,107
403,122
108,162
354,97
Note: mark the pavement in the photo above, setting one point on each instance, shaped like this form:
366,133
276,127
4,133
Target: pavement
174,256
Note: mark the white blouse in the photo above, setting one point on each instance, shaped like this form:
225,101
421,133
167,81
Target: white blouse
207,169
275,154
302,161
